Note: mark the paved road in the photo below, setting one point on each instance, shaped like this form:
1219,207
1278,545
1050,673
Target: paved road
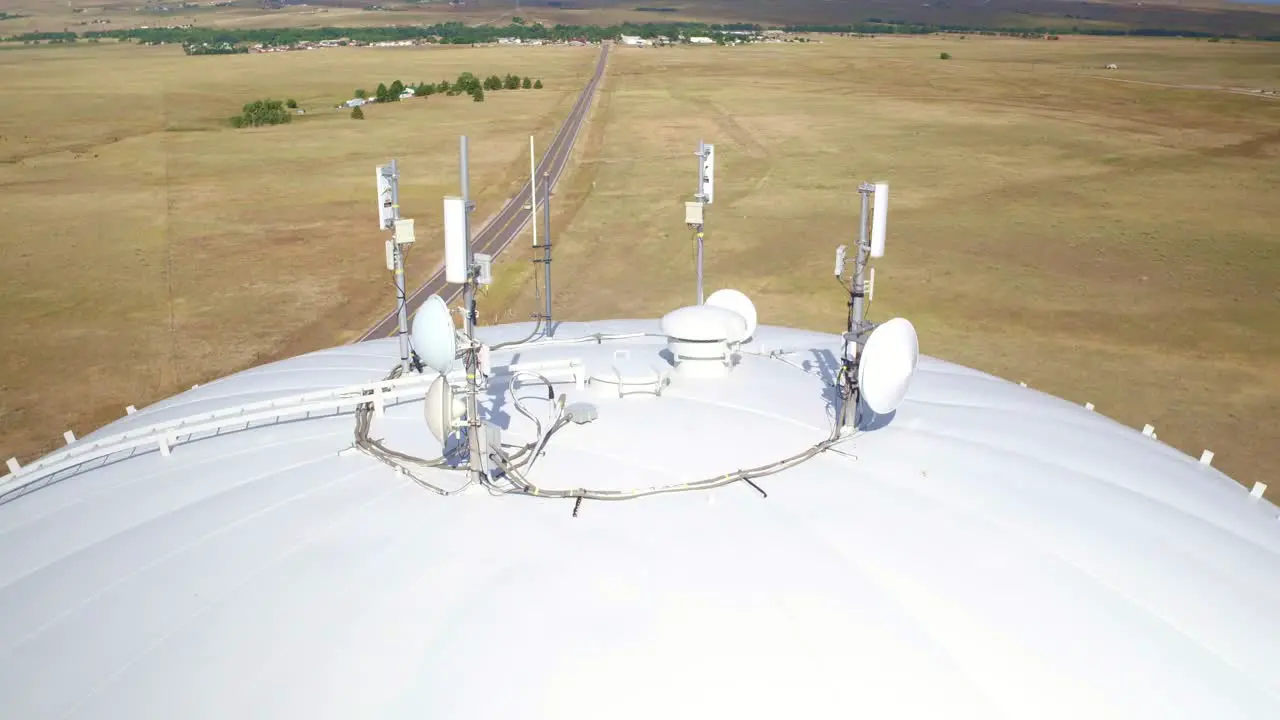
494,237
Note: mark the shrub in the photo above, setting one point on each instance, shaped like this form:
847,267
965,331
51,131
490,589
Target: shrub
291,104
537,85
262,112
526,83
360,93
357,113
945,56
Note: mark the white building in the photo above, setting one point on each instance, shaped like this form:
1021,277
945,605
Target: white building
631,40
986,551
701,40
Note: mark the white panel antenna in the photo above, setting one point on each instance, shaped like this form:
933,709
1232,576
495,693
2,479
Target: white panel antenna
434,336
404,231
708,173
455,240
386,198
391,256
888,364
737,302
842,253
879,216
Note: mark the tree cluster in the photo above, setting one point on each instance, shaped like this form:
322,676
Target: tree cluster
453,33
509,82
262,112
904,27
457,33
467,83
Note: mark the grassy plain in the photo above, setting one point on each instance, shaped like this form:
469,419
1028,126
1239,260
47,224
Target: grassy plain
146,246
1213,16
1103,236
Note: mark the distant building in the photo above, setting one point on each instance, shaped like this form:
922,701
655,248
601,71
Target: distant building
701,40
631,40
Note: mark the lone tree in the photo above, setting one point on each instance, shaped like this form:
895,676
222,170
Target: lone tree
291,104
357,113
537,85
262,112
526,83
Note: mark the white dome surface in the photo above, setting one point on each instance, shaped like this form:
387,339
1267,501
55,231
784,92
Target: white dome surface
987,552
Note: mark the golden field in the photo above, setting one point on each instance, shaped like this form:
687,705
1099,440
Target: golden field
1105,236
148,246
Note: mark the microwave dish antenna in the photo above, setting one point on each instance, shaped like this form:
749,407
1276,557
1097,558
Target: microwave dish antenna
888,364
434,335
736,301
443,409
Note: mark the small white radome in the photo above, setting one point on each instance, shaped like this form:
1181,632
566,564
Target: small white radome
987,551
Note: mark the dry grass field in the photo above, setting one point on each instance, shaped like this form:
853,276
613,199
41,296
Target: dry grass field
1103,236
146,246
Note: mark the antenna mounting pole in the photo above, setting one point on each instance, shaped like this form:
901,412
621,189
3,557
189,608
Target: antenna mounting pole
545,259
857,316
695,211
475,459
388,217
546,246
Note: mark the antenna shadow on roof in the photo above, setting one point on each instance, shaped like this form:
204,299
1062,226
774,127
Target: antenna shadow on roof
869,420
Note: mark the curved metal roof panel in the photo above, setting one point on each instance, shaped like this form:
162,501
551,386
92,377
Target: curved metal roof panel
988,551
